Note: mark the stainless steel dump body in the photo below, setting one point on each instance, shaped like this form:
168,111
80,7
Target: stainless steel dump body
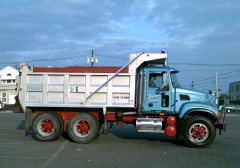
70,89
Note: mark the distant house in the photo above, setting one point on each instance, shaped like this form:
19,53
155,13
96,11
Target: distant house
234,92
8,84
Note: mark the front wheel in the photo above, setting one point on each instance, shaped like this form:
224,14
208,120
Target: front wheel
198,132
83,128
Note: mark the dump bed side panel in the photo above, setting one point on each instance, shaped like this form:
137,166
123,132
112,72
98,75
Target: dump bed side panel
44,89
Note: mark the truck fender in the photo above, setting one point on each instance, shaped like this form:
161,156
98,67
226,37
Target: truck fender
195,108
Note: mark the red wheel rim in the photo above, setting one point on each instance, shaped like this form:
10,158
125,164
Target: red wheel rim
198,132
83,127
45,127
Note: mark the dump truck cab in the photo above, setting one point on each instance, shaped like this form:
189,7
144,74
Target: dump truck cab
169,96
194,114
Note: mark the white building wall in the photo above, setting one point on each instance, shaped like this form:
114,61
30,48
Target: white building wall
234,92
8,83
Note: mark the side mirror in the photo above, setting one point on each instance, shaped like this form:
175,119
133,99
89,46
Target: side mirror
165,82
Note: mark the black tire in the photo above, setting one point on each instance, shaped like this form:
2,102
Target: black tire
83,128
101,129
198,132
46,127
61,124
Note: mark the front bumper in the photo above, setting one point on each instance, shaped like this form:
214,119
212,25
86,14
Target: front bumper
221,124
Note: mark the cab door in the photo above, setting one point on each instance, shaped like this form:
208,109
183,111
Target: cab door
156,98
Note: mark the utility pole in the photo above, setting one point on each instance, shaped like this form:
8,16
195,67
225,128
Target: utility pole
92,59
216,85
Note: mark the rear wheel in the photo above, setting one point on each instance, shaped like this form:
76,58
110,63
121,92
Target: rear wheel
199,132
83,128
61,125
46,127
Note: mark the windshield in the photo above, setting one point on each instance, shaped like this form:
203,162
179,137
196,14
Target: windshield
174,80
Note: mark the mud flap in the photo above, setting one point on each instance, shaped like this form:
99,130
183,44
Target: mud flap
17,107
105,119
28,121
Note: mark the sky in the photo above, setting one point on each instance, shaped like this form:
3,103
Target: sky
202,38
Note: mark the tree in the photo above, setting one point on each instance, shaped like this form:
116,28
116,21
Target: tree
223,99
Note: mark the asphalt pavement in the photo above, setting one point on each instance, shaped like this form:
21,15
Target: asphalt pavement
8,108
120,147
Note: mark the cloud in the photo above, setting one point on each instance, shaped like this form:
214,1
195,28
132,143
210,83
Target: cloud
191,31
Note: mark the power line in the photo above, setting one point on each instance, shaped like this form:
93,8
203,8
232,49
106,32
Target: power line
196,82
192,64
117,57
49,59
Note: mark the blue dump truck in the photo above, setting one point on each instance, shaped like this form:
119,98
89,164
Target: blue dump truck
145,92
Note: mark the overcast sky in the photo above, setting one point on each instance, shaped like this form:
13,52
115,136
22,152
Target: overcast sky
202,38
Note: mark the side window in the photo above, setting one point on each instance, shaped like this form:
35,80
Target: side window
152,80
159,80
155,80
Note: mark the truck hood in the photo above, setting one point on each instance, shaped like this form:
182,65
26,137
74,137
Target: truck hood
193,95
